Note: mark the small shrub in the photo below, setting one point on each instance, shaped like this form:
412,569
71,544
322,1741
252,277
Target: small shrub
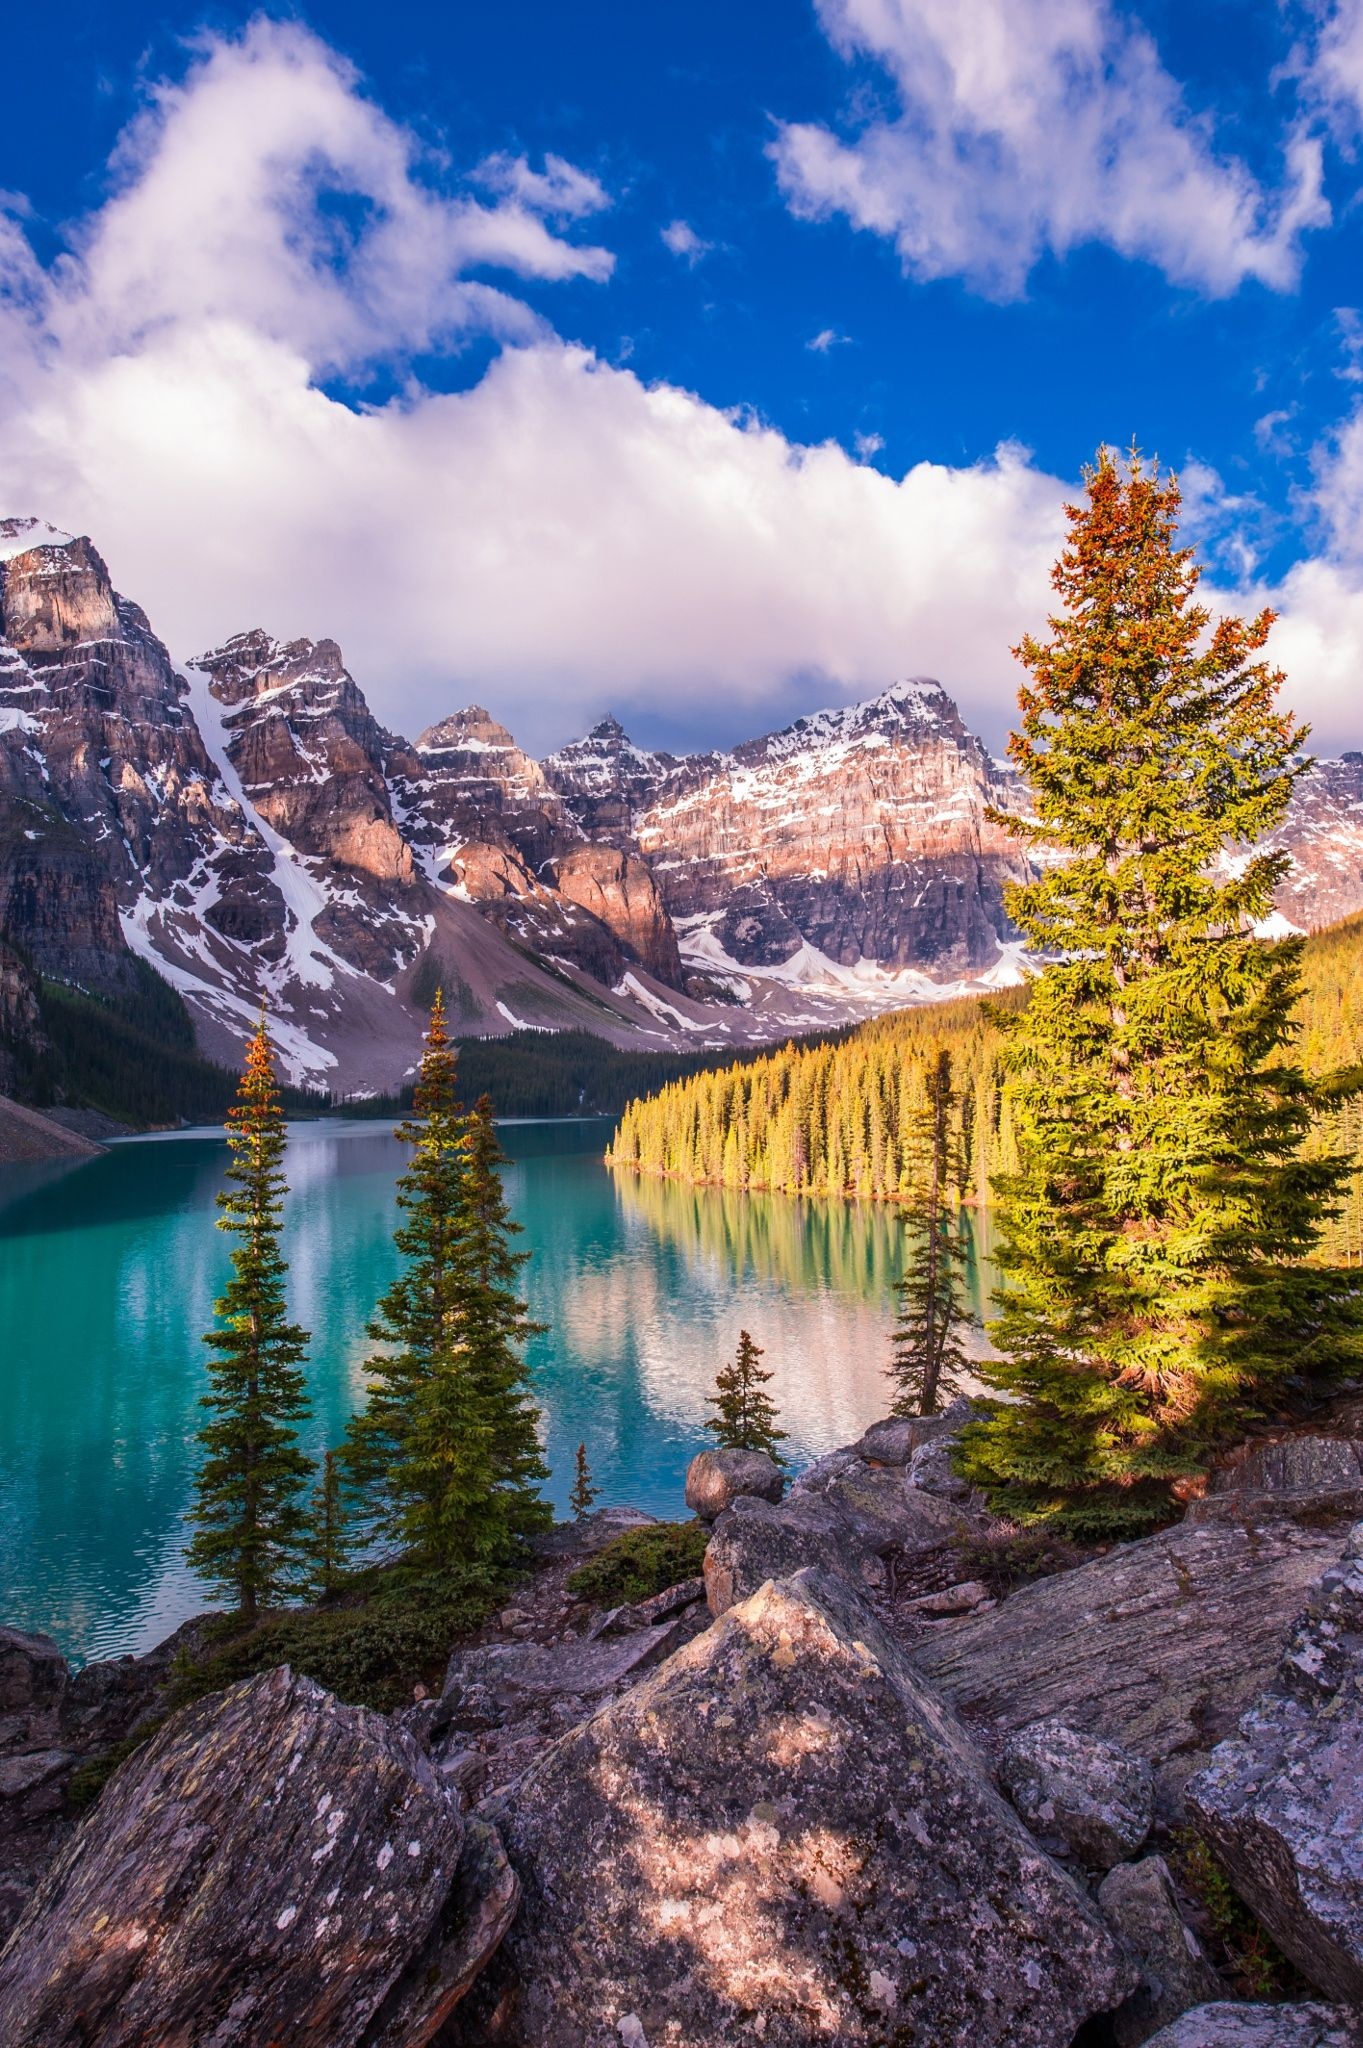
1255,1962
380,1633
1013,1557
641,1562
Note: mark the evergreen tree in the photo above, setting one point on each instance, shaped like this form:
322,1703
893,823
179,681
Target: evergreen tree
928,1355
494,1324
250,1527
416,1321
747,1417
447,1444
584,1495
1157,1226
329,1539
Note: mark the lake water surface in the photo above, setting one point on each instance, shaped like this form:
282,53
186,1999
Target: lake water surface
108,1272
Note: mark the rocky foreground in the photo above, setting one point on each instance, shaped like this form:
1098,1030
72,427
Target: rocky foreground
856,1785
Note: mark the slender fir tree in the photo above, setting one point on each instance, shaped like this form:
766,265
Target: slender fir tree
584,1495
494,1324
416,1321
447,1444
928,1355
747,1417
1157,1230
330,1542
250,1523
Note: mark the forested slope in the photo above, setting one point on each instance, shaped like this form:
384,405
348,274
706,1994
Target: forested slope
835,1118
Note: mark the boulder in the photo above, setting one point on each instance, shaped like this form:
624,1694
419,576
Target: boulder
590,1533
931,1469
894,1441
33,1675
480,1907
1161,1645
716,1479
783,1821
1282,1803
1227,2025
267,1868
884,1511
512,1674
1078,1793
1140,1905
641,1614
1309,1478
754,1541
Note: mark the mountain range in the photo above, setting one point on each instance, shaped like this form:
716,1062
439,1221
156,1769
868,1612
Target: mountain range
250,830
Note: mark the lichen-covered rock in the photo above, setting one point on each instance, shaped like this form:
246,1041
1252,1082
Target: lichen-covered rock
1140,1905
754,1541
265,1869
932,1469
716,1479
884,1509
510,1673
1310,1478
1282,1804
1161,1645
33,1676
894,1441
1227,2025
1083,1796
781,1835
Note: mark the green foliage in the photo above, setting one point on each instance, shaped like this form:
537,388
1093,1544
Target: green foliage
747,1417
1253,1959
558,1073
641,1562
928,1356
132,1056
584,1495
835,1116
447,1447
250,1538
767,1124
1158,1221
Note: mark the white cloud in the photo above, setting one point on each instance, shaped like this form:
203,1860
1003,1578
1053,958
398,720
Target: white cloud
681,238
867,445
827,339
560,190
559,539
1034,126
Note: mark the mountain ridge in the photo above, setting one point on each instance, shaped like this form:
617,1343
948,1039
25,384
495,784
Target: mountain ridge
252,831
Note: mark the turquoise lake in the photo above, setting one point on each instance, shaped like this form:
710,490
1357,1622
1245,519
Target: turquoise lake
109,1269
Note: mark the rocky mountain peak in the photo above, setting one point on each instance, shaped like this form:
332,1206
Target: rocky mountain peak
471,731
18,536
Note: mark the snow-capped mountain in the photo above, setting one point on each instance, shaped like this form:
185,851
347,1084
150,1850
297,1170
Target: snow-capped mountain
253,832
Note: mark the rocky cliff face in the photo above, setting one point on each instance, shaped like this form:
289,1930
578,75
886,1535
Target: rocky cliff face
256,834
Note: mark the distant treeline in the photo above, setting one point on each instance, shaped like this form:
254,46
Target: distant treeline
558,1073
835,1118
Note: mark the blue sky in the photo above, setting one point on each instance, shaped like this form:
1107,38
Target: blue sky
491,341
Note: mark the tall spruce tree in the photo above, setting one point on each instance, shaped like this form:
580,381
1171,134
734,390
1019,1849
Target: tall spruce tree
747,1417
447,1444
250,1522
494,1324
1156,1232
928,1355
416,1321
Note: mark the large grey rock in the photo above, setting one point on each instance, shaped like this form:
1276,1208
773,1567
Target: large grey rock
1282,1804
33,1674
1310,1478
590,1533
784,1821
513,1673
267,1868
1227,2025
1089,1798
885,1511
894,1441
1161,1645
1293,1464
716,1479
932,1469
1140,1905
754,1541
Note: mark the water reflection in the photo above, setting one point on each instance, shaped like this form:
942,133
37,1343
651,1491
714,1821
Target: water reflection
108,1273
